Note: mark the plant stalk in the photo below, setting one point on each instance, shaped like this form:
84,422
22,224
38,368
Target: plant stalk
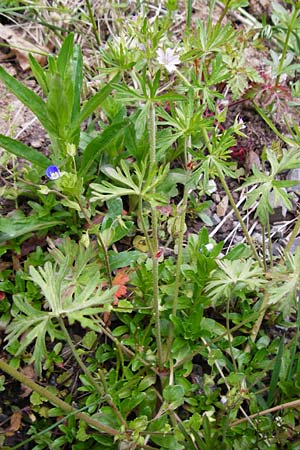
182,215
293,235
238,215
154,242
92,19
52,398
285,46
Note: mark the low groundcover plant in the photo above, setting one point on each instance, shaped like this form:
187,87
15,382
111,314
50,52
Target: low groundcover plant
128,323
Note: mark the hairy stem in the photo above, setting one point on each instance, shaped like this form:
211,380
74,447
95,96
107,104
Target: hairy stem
154,242
293,404
52,398
285,45
231,200
182,216
224,12
230,336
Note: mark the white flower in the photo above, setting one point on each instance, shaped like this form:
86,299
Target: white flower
168,58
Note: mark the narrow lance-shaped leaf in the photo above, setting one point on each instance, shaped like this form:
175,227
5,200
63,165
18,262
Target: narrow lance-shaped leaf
23,151
38,73
27,97
65,54
95,101
77,82
99,143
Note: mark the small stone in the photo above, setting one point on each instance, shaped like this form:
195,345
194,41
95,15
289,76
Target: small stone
215,219
37,143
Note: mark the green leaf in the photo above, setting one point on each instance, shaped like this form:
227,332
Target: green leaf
27,97
38,74
146,382
95,101
100,143
174,395
77,83
23,151
65,54
276,372
19,225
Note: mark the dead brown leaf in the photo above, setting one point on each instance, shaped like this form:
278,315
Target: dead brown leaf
15,423
15,45
30,373
252,159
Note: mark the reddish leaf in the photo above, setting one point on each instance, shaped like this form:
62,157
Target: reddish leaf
120,280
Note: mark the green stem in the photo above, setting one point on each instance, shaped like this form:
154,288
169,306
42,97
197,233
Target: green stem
92,19
238,215
224,12
88,374
229,336
188,14
100,242
182,215
285,46
293,235
184,79
264,247
152,136
52,398
144,227
270,245
154,246
257,325
231,200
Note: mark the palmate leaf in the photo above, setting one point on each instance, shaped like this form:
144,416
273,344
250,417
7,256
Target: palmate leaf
233,278
61,295
64,297
32,325
284,284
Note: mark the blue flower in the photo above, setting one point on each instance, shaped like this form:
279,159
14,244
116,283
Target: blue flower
52,172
